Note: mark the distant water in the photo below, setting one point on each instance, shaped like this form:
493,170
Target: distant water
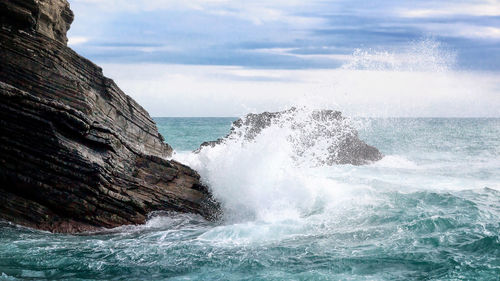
187,133
430,210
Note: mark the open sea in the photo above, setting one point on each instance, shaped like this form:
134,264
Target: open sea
429,210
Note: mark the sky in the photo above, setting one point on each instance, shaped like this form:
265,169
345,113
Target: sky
365,58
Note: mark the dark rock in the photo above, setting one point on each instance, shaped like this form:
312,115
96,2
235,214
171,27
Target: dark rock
76,153
51,18
308,128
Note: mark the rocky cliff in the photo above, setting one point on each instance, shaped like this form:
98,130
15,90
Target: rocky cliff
76,153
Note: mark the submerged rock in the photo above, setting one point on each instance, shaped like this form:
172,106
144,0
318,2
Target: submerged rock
76,153
324,136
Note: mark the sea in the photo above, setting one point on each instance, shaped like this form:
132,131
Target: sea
429,210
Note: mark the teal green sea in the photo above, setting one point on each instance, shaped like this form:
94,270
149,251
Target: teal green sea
429,210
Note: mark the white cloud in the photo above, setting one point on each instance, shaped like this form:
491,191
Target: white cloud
143,49
487,32
463,30
452,9
77,40
257,12
418,80
289,52
182,90
147,5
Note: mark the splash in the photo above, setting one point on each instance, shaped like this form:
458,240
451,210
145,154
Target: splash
420,79
269,173
318,137
279,173
427,55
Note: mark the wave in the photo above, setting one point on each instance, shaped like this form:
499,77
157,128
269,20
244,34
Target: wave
274,176
279,174
396,161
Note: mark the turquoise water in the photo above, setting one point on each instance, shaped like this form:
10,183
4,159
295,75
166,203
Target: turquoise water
430,210
188,133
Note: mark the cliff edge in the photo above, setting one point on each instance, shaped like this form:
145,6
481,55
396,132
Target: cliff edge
76,153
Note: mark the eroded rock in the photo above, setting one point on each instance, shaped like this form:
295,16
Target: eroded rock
319,136
76,153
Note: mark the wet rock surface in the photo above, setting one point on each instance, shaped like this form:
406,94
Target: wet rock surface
76,153
343,145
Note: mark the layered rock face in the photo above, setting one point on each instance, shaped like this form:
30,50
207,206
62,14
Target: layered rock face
323,136
76,153
51,18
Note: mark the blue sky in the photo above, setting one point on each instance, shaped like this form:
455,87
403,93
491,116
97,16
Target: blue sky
265,36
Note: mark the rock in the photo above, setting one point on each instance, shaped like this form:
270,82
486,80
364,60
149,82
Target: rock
308,131
76,153
51,18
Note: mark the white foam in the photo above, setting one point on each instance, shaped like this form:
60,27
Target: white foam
396,161
276,179
275,176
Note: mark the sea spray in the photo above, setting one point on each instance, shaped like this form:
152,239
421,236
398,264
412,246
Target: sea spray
279,173
415,79
269,172
426,55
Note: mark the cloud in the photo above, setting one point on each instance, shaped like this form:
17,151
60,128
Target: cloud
464,30
77,40
280,34
418,82
180,90
293,52
226,58
257,12
146,5
452,9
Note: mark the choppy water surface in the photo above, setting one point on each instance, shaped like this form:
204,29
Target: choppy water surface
430,210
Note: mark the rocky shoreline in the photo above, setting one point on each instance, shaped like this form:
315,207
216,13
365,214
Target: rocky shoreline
76,153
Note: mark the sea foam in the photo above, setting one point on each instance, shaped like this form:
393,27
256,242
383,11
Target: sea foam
279,174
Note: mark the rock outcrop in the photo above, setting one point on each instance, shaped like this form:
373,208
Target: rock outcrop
325,136
76,153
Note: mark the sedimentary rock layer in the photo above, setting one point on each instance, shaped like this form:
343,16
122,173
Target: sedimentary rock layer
76,153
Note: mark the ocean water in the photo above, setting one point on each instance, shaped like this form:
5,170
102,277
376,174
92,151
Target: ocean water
429,210
186,134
